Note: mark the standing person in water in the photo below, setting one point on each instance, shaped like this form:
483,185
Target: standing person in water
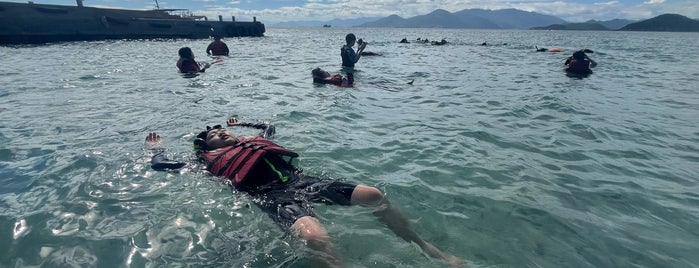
187,64
349,56
264,170
217,47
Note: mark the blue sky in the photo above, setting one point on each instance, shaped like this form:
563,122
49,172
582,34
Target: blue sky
272,11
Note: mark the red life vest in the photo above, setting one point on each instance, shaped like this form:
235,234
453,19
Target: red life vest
235,162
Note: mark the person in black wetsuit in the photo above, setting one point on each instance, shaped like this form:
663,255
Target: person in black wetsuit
348,55
263,169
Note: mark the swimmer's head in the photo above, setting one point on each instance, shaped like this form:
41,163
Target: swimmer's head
213,138
319,73
186,52
579,55
350,38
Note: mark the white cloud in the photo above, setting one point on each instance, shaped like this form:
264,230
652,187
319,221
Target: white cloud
348,9
655,2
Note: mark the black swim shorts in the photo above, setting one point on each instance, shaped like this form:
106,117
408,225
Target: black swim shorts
287,204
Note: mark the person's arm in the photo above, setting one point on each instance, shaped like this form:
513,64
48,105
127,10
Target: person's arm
160,161
593,63
203,66
226,49
359,51
267,129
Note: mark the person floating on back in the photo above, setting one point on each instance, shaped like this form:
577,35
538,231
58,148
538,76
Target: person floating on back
187,64
217,47
266,171
323,77
349,56
579,63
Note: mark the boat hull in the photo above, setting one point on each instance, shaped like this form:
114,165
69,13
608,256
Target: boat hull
38,23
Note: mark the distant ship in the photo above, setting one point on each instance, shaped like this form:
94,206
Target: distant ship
29,23
326,25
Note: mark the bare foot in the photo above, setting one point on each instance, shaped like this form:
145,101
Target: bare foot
434,252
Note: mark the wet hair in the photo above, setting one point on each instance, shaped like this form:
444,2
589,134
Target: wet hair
579,55
350,37
186,52
318,73
200,142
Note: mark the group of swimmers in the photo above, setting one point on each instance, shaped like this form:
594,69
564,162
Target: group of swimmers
188,65
267,172
577,64
425,41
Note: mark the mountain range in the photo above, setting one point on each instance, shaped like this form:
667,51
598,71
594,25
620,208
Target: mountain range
509,19
665,23
591,25
469,19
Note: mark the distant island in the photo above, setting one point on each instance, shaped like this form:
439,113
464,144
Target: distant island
665,23
662,23
591,25
469,19
510,19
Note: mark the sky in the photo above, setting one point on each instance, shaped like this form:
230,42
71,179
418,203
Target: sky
274,11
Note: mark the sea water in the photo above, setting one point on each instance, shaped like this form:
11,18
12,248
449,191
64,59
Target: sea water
492,152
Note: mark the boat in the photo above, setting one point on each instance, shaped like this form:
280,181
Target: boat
30,23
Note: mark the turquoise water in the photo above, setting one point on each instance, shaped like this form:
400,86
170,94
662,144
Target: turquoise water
493,153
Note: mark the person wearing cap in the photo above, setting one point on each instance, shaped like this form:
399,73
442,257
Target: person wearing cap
264,170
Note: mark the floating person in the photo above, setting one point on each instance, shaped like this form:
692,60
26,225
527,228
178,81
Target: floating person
323,77
579,63
436,43
554,49
361,42
217,47
264,170
424,41
405,41
349,56
186,64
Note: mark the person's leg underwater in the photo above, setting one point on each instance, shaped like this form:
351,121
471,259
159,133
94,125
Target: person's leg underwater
392,217
312,232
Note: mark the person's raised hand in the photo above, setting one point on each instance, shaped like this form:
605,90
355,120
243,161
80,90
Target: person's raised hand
232,122
153,140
